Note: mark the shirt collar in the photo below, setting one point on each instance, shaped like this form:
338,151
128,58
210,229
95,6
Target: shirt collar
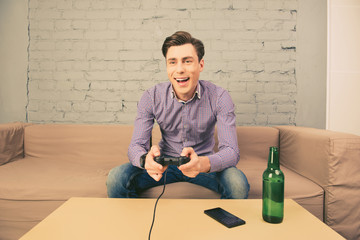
196,94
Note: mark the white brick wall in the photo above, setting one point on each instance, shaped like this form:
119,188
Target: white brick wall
91,60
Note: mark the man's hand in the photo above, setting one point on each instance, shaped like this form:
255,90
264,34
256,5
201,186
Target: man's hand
154,169
196,165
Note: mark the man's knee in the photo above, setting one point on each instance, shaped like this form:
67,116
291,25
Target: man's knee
116,173
235,183
117,178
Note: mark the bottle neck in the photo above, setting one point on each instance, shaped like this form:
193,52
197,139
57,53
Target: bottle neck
273,161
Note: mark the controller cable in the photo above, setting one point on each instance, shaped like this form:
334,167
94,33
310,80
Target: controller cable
153,220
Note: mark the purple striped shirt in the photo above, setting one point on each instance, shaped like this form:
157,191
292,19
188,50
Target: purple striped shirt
187,124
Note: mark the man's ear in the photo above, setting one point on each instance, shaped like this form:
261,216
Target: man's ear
201,64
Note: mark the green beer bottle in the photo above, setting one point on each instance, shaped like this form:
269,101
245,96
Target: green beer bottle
273,189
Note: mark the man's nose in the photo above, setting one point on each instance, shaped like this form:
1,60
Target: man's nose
180,68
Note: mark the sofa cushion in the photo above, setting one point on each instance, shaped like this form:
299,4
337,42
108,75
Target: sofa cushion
255,141
78,142
50,179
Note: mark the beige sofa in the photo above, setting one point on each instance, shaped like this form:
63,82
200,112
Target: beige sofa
43,165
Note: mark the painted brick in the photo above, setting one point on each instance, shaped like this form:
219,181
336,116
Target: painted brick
80,24
97,106
274,4
246,108
135,55
68,55
45,25
42,14
97,117
47,66
115,85
63,106
103,95
98,85
278,119
81,65
47,85
101,75
275,14
274,35
125,118
74,14
101,35
81,85
101,55
45,117
266,108
80,106
70,117
83,4
72,95
64,85
114,106
241,4
64,4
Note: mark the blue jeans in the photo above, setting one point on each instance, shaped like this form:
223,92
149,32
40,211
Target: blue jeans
126,181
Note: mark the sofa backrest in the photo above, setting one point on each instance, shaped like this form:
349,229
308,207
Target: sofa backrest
110,142
78,142
255,141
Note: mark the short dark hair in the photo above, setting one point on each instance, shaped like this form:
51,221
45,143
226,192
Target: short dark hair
180,38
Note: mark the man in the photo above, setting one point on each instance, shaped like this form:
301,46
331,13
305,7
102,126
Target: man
186,110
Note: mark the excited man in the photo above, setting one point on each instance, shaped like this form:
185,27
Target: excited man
186,110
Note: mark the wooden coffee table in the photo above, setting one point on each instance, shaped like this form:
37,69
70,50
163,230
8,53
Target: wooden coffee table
103,218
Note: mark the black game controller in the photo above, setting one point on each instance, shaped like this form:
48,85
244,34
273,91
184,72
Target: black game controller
177,161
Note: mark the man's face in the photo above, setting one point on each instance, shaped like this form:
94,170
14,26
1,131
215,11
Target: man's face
183,69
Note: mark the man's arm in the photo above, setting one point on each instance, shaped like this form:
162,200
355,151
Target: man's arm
228,154
140,141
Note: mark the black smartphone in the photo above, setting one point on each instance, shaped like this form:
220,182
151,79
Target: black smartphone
224,217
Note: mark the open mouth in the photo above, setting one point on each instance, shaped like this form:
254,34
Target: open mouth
182,80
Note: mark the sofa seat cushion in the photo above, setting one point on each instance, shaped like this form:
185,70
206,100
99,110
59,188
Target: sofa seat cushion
46,179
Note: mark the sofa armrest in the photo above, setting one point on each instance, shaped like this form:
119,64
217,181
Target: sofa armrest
332,160
11,142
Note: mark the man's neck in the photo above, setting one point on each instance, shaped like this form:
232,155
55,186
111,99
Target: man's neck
188,98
